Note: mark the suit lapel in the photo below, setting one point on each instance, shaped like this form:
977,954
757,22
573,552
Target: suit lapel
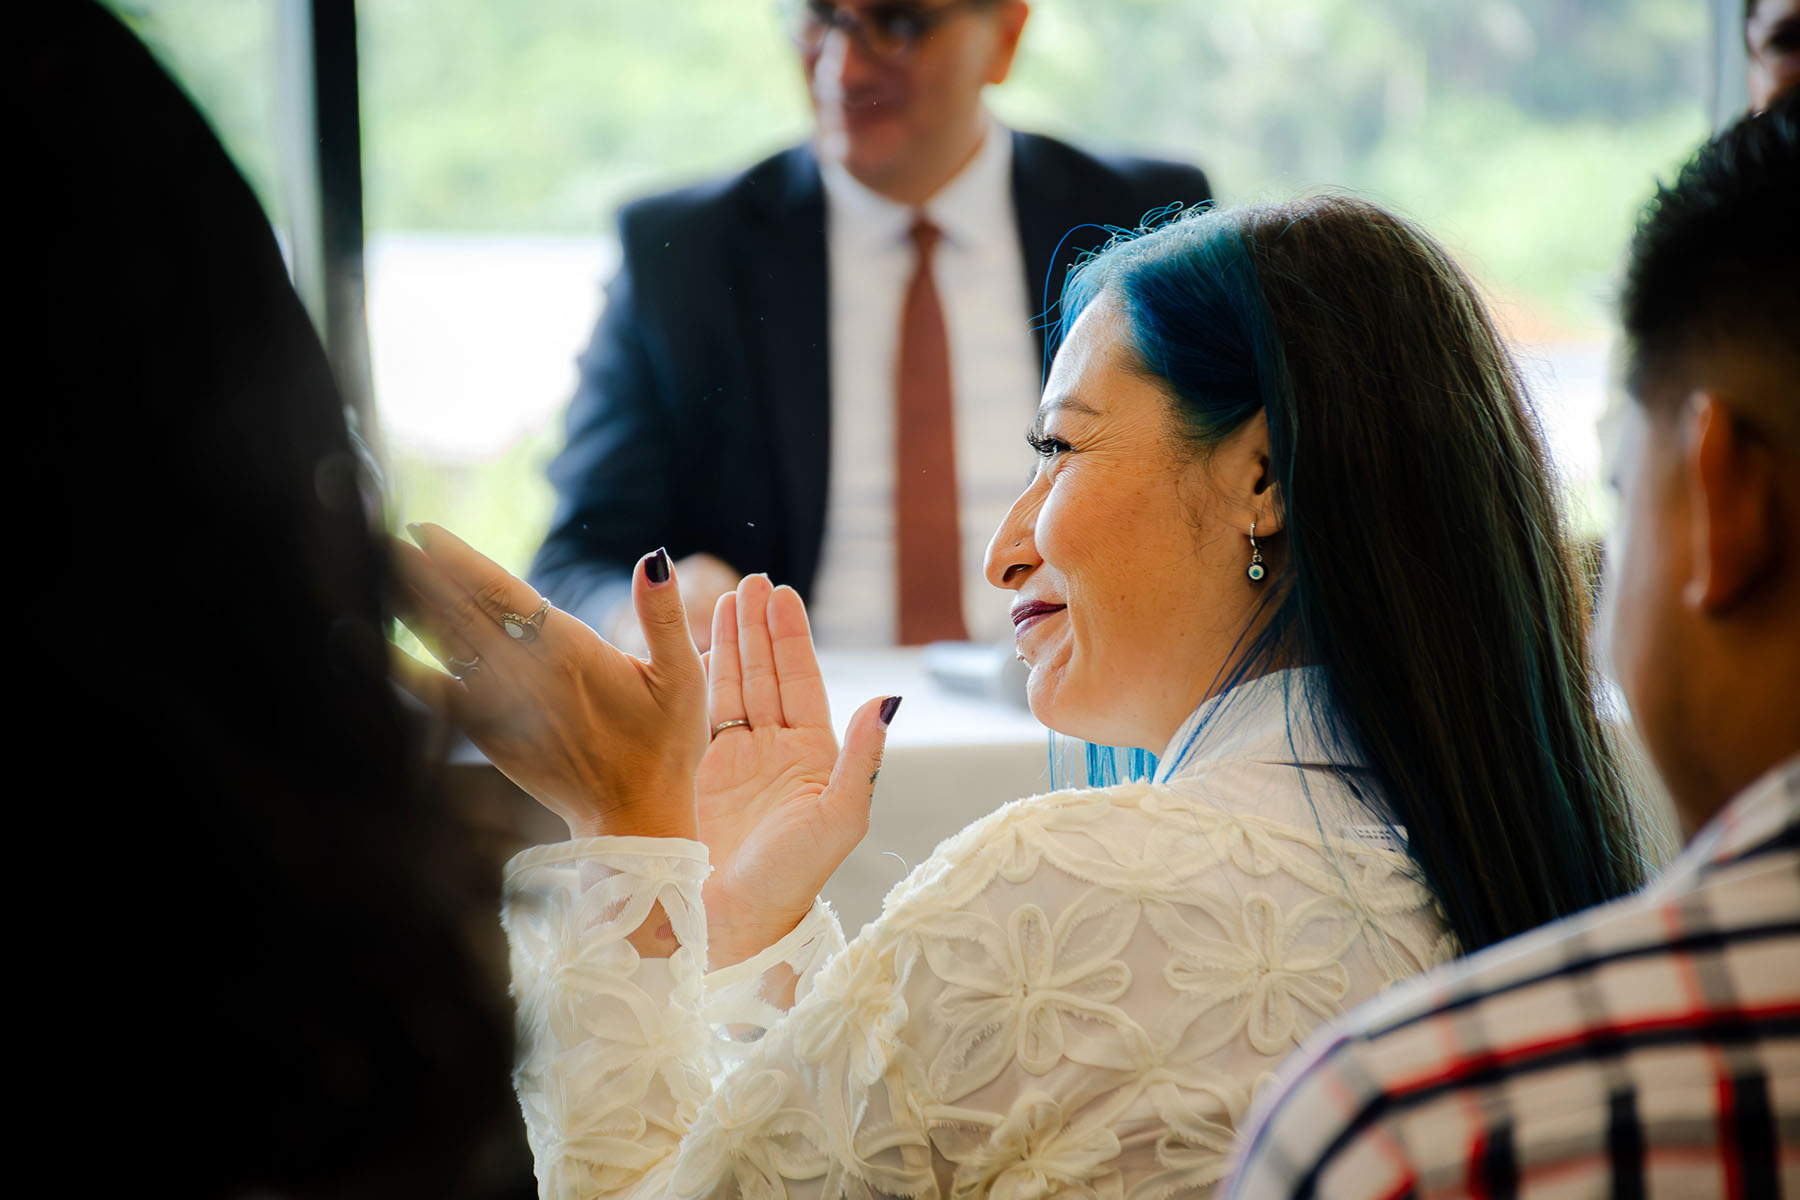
780,254
1044,204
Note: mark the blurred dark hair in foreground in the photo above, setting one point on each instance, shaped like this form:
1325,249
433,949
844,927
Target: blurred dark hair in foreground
277,984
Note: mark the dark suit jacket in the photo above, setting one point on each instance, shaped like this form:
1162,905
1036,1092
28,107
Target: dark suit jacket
703,417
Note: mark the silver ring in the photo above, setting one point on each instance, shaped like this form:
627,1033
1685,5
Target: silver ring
523,629
722,726
460,667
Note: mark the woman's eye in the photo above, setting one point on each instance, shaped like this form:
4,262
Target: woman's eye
1046,445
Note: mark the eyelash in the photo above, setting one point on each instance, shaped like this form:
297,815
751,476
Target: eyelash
1047,446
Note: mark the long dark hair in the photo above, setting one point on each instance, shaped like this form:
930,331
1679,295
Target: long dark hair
288,994
1421,563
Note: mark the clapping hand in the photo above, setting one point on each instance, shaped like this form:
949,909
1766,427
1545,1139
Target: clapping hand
618,745
703,578
780,807
608,742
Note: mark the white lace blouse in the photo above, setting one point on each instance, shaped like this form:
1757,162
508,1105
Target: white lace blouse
1078,993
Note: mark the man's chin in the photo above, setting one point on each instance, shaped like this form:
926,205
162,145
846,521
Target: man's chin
870,154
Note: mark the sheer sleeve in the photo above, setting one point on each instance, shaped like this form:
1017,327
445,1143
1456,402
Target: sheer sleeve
1080,991
743,1001
612,1050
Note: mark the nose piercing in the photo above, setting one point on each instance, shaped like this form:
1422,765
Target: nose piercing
1256,571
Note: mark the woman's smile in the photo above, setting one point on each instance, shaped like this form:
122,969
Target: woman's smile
1028,614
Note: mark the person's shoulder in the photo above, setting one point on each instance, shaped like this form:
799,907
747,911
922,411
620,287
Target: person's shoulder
1692,910
714,204
1541,971
1136,837
1391,1055
1041,155
1524,1015
1543,958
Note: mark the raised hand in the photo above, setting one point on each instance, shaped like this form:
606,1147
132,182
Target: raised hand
608,742
703,578
779,806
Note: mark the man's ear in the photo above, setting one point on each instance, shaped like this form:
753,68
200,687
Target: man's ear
1011,18
1731,479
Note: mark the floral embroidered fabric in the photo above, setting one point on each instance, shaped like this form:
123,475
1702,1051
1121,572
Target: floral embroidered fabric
1077,994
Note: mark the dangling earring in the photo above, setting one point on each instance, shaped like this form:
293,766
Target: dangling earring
1256,571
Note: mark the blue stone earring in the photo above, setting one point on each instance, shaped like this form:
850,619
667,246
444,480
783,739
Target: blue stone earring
1256,571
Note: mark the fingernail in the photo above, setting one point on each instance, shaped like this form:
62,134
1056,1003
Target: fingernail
656,567
419,534
889,707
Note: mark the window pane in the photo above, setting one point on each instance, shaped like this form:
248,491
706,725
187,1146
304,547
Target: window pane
499,137
1525,134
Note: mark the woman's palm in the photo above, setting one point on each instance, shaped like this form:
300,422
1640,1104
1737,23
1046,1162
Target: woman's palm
762,810
779,807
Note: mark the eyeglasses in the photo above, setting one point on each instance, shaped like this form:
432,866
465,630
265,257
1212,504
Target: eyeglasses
889,32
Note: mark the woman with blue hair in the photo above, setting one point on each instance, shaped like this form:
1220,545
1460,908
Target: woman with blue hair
1292,532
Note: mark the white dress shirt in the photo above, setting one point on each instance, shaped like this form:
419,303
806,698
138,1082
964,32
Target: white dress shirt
996,376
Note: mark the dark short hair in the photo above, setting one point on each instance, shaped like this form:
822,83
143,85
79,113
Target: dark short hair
1715,257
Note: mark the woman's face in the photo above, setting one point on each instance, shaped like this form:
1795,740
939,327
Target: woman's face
1128,549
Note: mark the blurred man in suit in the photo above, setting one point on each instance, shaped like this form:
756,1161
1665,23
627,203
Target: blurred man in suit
818,367
1650,1046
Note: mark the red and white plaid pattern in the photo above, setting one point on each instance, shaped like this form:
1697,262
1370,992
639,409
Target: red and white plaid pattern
1650,1047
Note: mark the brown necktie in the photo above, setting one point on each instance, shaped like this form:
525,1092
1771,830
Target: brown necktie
929,543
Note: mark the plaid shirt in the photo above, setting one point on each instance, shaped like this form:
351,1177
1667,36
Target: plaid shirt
1650,1047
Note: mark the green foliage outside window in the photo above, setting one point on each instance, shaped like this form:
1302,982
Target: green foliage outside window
1524,132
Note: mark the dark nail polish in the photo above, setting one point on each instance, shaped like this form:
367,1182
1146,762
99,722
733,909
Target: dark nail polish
889,707
420,534
656,567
